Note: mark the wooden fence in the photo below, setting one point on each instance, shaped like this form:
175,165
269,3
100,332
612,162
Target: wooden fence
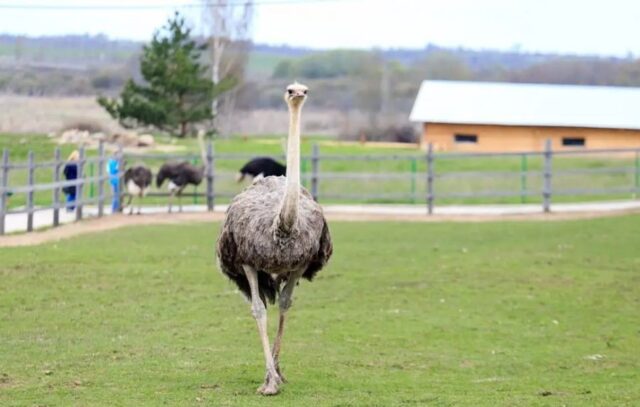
431,184
56,186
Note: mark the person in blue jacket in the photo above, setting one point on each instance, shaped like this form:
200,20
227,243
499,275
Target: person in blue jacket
113,168
70,172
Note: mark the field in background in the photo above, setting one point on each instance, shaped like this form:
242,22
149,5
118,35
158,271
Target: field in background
25,114
446,314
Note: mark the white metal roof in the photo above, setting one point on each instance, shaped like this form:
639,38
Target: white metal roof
527,105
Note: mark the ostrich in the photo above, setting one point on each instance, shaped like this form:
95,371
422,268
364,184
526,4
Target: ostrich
274,234
261,166
181,174
137,180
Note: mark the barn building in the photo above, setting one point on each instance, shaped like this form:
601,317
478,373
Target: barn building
497,117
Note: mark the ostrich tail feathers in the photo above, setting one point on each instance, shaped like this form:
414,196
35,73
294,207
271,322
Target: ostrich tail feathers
268,288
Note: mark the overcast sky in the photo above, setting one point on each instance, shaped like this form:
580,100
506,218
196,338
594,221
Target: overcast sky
609,27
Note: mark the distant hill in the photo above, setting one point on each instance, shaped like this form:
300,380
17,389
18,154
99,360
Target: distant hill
82,52
77,51
343,79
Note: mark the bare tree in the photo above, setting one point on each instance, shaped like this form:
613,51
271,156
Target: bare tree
227,26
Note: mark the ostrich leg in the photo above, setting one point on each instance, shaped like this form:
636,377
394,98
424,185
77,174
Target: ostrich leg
284,303
129,203
170,201
272,379
139,204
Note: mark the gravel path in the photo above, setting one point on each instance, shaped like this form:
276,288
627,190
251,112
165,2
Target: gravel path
358,213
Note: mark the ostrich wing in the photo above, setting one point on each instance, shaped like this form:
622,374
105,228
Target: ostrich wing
227,253
324,253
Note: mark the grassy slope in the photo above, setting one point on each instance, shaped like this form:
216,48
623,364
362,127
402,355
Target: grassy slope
433,314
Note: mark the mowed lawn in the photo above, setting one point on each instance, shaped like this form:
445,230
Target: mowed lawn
478,314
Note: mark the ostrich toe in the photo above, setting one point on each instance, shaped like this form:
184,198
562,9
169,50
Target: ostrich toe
271,385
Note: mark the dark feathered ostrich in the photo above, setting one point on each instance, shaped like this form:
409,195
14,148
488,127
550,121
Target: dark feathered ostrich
261,166
137,180
274,234
181,174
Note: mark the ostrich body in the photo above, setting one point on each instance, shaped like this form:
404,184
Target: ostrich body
137,180
261,166
274,234
181,174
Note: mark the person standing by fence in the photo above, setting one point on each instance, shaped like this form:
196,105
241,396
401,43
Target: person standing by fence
113,169
70,172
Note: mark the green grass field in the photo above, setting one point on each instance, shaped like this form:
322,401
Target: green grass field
442,314
410,187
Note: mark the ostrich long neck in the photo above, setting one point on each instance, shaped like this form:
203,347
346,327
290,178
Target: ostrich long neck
289,211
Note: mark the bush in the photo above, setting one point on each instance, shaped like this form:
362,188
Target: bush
84,125
397,134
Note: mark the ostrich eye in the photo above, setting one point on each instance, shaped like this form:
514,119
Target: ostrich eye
290,91
305,92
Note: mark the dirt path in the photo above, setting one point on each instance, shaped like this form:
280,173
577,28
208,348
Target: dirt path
119,221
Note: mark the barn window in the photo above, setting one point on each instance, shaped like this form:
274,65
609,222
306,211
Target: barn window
466,138
573,141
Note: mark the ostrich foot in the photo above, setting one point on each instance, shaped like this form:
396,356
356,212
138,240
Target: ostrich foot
271,384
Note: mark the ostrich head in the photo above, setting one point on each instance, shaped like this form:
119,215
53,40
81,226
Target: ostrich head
295,95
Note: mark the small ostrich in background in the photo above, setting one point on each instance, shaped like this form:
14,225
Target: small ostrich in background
181,174
261,166
274,234
137,180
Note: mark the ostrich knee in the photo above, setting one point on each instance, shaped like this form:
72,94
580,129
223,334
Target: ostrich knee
284,302
258,310
286,295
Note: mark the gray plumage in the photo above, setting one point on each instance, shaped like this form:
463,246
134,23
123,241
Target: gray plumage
137,180
252,235
273,235
140,175
179,175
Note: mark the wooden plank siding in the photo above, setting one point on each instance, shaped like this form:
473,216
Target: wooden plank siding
496,138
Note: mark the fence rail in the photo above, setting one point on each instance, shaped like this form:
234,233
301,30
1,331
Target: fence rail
431,178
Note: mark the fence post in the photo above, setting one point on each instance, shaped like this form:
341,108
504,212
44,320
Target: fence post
101,168
210,177
4,195
524,171
414,170
56,188
118,194
637,175
546,189
30,183
80,185
315,158
303,172
430,177
91,183
194,161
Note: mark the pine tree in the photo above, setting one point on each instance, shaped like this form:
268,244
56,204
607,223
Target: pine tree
176,91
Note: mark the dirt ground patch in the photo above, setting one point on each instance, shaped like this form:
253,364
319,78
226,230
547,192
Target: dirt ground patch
119,221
